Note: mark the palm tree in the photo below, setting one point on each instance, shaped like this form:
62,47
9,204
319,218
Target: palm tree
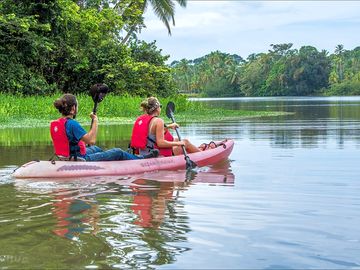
339,49
339,52
164,10
233,73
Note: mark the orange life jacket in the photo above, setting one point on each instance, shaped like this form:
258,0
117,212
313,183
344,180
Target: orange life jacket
60,140
140,132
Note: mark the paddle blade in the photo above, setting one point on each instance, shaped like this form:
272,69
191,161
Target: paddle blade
190,175
170,109
98,92
190,164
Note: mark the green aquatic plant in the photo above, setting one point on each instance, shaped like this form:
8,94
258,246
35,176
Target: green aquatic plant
29,111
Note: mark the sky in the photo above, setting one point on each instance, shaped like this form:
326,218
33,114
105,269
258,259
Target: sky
246,27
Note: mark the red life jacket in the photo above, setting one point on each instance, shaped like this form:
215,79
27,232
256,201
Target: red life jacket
166,152
140,132
60,140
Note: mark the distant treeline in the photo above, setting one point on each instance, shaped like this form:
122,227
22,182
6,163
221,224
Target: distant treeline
68,45
282,71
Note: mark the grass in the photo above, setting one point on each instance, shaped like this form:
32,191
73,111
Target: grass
35,111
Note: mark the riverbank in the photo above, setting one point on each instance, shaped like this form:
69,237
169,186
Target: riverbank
19,111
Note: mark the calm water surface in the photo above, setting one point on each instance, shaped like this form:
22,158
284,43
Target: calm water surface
287,198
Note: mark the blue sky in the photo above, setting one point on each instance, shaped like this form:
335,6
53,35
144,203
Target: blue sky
245,27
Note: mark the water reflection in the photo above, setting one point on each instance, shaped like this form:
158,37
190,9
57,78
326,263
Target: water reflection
294,204
150,204
74,215
315,122
129,222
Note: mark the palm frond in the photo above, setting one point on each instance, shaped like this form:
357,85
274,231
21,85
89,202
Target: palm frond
164,10
182,3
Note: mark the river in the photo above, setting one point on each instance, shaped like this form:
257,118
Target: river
288,197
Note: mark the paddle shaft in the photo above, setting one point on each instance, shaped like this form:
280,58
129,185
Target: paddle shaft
189,163
183,146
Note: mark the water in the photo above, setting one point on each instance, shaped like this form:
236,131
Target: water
287,198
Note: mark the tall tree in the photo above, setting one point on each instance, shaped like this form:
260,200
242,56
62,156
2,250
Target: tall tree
339,51
308,72
185,69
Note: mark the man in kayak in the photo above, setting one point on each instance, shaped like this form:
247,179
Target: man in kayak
70,139
150,132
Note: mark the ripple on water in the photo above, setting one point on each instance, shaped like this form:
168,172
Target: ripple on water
5,174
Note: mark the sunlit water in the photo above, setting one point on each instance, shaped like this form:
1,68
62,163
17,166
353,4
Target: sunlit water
287,198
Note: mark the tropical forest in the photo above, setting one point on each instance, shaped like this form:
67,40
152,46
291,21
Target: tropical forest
282,71
66,46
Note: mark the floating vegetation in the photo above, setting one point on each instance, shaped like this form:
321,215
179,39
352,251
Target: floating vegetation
38,111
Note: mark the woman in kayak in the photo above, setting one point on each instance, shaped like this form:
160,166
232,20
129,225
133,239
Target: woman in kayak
150,132
70,138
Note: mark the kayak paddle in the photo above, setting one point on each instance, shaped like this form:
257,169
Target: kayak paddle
98,92
170,109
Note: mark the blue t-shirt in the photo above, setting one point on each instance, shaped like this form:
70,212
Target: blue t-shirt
74,131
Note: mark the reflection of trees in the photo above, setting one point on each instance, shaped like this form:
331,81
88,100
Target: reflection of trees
314,121
16,155
28,222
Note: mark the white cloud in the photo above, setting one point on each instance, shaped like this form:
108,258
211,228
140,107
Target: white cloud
246,27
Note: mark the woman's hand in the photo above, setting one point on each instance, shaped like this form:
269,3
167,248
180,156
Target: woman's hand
172,125
180,143
93,116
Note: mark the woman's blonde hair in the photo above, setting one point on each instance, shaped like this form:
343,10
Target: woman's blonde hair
150,104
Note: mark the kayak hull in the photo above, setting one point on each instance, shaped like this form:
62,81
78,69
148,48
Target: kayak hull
63,169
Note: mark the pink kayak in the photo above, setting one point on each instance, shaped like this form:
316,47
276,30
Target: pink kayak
62,169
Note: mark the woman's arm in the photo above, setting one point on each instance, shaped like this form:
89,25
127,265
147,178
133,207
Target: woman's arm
90,137
159,133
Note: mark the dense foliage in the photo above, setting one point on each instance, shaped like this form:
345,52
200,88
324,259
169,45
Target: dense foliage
68,45
282,71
